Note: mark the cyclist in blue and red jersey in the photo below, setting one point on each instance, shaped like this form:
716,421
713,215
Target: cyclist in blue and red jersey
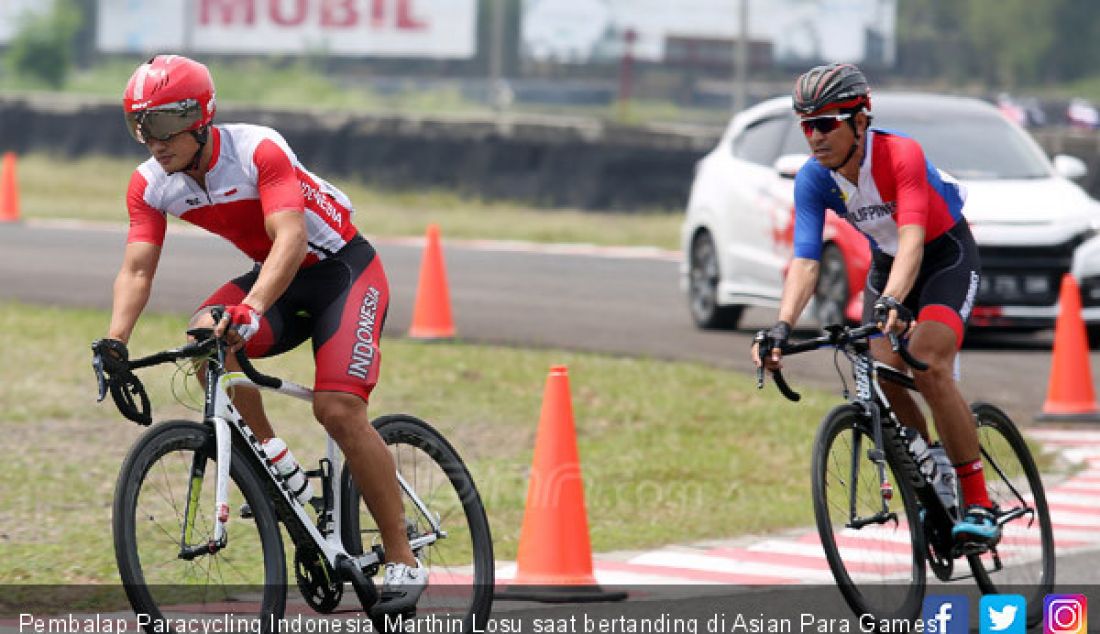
315,277
925,269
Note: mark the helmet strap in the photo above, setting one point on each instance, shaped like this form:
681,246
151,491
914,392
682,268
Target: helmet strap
855,144
201,136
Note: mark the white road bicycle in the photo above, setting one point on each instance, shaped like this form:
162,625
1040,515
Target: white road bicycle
197,509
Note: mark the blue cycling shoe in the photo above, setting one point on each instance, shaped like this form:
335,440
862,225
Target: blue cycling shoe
978,525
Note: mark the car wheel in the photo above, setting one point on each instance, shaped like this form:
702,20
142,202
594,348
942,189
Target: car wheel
703,288
831,295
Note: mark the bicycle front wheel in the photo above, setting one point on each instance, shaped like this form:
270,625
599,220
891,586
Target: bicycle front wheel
1023,561
164,504
443,514
872,542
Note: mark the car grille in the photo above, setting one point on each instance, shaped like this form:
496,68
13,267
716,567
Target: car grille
1024,276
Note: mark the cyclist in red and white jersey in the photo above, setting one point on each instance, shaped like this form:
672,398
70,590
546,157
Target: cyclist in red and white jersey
925,268
315,277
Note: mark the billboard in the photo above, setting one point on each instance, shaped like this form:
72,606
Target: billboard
352,28
797,30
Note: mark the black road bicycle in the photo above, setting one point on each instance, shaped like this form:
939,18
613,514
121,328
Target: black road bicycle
878,514
197,510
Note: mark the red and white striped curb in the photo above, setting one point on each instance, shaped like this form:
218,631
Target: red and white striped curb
798,558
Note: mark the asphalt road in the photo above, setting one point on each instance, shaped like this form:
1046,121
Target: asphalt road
629,306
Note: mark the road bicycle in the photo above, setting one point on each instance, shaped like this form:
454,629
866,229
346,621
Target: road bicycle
182,557
876,541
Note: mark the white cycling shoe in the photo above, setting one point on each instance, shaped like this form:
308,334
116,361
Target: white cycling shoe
402,586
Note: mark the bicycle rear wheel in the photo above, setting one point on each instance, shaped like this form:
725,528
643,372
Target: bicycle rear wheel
1026,550
460,559
168,476
874,547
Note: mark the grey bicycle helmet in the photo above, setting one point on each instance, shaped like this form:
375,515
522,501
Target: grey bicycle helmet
831,86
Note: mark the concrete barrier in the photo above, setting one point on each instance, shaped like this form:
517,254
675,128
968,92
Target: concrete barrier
556,162
544,161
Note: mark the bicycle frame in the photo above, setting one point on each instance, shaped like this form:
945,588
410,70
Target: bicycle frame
224,418
872,399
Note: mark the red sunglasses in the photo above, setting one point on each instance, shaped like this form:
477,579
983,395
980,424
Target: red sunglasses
823,124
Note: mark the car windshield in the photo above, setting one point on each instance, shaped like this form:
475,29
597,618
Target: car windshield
965,146
974,148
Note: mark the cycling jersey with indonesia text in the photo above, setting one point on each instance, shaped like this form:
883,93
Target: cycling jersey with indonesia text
252,173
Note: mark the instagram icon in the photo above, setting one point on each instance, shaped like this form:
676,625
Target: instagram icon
1065,614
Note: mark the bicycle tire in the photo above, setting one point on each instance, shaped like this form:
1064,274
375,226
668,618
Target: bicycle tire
149,506
460,583
1007,460
880,577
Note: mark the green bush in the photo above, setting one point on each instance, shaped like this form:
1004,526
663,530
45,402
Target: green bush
42,49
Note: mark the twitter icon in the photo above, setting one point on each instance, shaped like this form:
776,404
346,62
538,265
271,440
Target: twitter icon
1003,614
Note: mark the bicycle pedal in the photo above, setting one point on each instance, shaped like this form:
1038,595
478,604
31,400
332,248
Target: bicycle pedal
246,511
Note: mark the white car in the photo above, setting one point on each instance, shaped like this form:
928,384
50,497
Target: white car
1031,221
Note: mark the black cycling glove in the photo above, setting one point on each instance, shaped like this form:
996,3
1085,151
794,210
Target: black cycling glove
776,337
113,355
887,303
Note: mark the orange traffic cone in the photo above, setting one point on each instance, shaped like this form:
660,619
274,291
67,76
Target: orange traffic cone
432,313
555,556
1070,395
9,190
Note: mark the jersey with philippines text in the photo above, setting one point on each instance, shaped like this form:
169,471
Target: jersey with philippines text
897,186
252,173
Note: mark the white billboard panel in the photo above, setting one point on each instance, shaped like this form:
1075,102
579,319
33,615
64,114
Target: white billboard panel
589,30
355,28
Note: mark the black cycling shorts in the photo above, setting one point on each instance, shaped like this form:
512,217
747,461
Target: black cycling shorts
946,285
340,303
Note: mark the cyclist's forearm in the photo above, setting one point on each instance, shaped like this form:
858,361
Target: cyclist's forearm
131,293
278,270
903,272
798,288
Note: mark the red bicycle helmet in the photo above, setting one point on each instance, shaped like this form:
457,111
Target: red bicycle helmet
831,86
167,95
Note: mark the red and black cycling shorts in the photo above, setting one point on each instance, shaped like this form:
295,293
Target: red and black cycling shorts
340,303
947,282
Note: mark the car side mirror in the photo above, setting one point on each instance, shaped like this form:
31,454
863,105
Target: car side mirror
788,165
1070,167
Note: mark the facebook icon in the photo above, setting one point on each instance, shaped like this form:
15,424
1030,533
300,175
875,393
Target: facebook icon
946,614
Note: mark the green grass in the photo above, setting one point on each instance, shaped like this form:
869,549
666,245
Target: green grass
671,452
94,188
303,83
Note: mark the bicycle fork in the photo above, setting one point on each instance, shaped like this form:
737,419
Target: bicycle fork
223,448
864,377
876,455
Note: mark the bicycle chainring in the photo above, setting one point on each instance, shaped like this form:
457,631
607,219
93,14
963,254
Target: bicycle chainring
942,565
317,582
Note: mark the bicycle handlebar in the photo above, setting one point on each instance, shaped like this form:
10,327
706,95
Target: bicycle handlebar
834,336
127,390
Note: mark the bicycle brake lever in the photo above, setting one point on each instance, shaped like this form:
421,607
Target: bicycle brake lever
101,380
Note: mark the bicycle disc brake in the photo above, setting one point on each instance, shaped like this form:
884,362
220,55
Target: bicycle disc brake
317,581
